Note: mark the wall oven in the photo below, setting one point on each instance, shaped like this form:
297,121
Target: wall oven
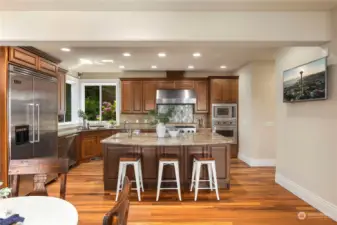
230,132
224,111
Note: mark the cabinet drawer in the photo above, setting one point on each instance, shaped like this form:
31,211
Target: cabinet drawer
47,67
23,57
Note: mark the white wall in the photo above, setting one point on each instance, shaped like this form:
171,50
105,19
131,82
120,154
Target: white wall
273,26
257,114
306,134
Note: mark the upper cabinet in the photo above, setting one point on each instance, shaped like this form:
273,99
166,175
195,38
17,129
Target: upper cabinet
201,90
28,59
132,97
163,84
184,84
224,90
149,95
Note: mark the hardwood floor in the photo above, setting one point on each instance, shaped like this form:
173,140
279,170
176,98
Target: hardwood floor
254,199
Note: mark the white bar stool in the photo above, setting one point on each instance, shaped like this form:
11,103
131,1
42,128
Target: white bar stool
198,161
124,161
173,161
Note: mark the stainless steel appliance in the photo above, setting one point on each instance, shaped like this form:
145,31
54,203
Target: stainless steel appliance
224,111
33,117
227,131
176,97
186,129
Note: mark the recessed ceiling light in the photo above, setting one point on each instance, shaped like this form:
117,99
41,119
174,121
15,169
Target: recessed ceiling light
86,61
162,54
154,67
65,49
223,67
126,54
107,61
190,67
197,54
121,67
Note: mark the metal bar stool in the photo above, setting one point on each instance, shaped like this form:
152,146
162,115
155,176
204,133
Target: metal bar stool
198,161
135,161
173,161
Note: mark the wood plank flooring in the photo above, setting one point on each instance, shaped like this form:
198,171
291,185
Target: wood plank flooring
254,199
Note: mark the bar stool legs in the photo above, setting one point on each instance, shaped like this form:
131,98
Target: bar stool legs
138,176
163,163
213,182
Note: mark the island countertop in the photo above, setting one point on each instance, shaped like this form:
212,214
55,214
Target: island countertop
151,139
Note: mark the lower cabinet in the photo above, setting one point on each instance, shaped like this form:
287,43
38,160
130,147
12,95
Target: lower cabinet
91,143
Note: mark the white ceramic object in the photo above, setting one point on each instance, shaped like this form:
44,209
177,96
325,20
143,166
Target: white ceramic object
161,130
174,133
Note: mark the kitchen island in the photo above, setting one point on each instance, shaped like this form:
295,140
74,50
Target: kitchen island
151,148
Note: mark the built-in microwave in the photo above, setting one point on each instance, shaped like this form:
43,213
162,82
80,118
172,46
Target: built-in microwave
224,111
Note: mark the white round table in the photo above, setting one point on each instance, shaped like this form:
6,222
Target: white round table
41,210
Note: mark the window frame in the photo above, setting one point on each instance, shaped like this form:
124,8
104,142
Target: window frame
100,83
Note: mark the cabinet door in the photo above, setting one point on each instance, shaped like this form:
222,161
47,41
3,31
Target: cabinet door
47,67
102,135
229,90
22,57
184,84
137,92
89,146
216,91
165,85
61,92
127,98
149,96
201,89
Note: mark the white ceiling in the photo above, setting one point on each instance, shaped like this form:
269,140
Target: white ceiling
167,5
144,55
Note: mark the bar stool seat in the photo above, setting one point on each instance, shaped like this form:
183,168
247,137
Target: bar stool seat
135,161
173,160
198,161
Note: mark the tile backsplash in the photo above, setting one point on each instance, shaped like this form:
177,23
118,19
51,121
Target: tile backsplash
181,113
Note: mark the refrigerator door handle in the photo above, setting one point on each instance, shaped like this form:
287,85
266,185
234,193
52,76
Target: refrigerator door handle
38,123
33,127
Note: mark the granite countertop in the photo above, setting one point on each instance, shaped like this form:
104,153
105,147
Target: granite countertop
151,139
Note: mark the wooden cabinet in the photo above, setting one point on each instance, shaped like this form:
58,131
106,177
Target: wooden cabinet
165,84
184,84
22,57
47,67
149,95
132,97
91,142
25,58
224,90
61,90
201,89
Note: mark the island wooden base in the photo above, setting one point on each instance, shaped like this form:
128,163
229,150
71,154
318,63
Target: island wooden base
150,156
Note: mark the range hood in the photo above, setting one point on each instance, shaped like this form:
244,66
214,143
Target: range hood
176,97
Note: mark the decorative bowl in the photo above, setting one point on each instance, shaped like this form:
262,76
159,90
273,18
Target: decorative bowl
174,133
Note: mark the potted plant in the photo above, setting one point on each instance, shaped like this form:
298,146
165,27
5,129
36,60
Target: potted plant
83,115
160,120
4,192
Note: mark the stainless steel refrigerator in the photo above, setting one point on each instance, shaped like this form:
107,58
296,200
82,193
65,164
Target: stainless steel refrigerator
33,118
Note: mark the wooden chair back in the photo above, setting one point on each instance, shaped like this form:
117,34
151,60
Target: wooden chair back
118,215
39,167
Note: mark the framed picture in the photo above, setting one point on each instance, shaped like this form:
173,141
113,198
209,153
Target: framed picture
306,82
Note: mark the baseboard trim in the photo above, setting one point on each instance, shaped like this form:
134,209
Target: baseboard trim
257,162
312,199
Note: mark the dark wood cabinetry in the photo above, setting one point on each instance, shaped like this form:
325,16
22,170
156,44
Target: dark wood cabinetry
224,90
132,97
183,84
90,142
149,95
201,89
165,84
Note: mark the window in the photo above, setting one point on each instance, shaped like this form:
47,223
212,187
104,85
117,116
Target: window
68,103
100,102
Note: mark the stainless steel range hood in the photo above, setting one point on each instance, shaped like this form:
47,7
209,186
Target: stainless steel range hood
176,97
